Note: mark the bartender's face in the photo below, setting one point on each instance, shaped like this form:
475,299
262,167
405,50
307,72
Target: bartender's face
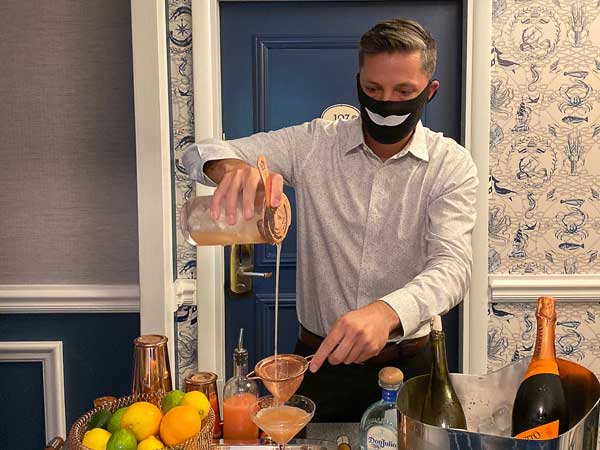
394,76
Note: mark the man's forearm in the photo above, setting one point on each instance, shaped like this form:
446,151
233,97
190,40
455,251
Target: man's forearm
216,170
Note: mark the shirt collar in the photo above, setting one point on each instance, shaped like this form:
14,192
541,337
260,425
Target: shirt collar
416,145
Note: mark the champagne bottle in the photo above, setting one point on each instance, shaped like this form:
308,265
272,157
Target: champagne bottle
441,407
540,407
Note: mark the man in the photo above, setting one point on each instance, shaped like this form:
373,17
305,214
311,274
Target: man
385,212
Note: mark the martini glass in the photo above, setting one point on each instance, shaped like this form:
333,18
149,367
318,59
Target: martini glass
282,420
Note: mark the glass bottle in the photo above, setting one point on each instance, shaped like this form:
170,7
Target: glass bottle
343,443
239,394
540,406
379,423
441,407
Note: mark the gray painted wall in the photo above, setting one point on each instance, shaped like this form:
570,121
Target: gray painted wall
67,177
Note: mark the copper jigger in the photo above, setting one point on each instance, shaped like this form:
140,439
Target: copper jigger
151,370
282,374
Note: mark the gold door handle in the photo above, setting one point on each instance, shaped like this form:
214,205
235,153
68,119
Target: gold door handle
241,265
255,274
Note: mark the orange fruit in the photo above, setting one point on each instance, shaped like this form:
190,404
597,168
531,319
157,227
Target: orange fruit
142,419
179,424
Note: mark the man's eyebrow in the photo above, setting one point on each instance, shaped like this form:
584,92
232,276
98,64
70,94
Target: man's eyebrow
405,85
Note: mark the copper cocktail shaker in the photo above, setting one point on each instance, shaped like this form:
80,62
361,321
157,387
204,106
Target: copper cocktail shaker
151,369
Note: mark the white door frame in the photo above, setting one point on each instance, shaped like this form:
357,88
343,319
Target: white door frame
153,162
207,103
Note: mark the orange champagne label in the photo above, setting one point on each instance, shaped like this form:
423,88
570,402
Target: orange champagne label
546,431
537,366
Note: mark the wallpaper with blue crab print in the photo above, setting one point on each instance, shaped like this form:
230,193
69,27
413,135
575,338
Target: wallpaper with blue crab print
182,117
182,133
512,330
544,184
187,342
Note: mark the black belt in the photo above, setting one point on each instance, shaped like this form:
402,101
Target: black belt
392,352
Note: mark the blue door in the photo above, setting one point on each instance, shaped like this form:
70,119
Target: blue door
284,63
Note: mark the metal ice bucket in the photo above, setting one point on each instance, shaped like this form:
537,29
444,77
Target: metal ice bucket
488,396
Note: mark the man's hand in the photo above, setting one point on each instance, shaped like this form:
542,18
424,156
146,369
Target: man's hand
357,335
236,178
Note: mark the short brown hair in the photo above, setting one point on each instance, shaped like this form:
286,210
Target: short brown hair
400,35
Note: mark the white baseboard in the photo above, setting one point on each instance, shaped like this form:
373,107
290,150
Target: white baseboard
69,298
50,354
527,288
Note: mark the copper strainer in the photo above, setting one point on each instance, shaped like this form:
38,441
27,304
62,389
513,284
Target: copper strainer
282,374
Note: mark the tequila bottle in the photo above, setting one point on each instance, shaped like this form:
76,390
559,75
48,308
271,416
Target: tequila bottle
379,423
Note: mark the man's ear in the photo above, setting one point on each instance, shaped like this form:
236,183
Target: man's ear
433,87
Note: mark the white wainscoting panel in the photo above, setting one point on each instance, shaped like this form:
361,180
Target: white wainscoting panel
50,354
527,288
69,298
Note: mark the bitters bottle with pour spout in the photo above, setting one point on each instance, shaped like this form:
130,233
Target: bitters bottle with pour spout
239,393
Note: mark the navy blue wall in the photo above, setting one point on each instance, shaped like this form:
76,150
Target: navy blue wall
97,357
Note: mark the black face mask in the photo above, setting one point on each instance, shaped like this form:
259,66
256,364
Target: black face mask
390,121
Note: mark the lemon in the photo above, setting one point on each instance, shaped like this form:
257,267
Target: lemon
122,440
142,419
171,399
150,443
96,439
198,401
114,423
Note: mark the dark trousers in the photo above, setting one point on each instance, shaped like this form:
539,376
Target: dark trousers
343,392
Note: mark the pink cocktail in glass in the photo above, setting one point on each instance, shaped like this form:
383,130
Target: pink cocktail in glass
282,420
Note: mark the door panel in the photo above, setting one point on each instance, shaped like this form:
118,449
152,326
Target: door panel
282,64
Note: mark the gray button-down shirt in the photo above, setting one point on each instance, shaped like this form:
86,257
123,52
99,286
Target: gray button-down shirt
397,230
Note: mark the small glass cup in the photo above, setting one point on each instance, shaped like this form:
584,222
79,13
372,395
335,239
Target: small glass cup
206,382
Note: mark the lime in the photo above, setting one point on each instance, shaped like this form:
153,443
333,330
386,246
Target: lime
198,401
150,443
122,440
99,419
171,399
96,439
114,423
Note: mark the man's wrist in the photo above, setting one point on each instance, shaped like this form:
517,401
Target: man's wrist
217,168
393,321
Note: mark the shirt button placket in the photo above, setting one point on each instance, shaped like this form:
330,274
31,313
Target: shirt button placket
372,234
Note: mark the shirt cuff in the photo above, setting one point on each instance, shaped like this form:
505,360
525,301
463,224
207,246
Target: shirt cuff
407,308
194,164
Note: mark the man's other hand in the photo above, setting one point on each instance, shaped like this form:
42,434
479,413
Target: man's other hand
357,335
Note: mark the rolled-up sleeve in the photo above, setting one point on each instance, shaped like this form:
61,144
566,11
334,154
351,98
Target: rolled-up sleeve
445,278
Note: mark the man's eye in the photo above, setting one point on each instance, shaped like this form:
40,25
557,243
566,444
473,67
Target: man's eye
371,89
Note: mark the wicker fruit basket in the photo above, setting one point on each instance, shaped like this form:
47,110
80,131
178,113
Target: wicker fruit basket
200,441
